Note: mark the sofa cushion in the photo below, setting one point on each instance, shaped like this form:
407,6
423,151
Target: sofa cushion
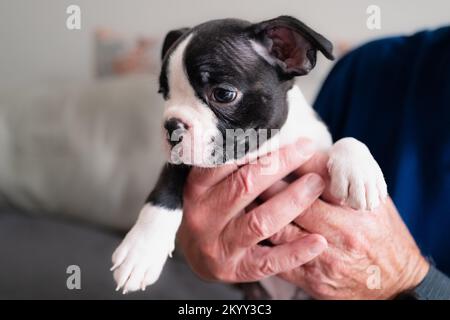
35,266
88,151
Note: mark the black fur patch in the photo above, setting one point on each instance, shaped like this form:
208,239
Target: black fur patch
168,192
221,52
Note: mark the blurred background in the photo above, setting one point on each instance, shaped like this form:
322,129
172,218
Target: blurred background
80,132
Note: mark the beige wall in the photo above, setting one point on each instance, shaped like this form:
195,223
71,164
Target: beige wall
36,46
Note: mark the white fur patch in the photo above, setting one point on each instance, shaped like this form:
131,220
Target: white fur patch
278,288
356,178
139,259
303,121
186,106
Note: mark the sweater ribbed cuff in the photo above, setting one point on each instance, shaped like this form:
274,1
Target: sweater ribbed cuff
435,286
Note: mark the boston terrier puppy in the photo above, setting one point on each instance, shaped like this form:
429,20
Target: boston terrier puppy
235,76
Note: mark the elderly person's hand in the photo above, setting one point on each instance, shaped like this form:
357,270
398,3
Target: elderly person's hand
220,242
370,255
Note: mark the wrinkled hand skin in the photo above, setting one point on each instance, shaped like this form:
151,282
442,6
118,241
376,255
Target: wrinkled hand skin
357,241
220,242
328,250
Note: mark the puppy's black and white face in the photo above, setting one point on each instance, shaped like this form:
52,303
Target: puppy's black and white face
225,84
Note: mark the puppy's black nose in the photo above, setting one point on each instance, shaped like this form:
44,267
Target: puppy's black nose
171,125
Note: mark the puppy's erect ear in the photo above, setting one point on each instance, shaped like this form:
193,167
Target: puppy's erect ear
291,45
170,39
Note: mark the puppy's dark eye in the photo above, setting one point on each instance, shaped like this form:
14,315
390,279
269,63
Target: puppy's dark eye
223,95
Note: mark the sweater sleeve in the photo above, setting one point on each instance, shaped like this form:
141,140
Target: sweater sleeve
435,286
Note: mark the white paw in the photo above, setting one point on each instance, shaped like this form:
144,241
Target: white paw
139,259
356,178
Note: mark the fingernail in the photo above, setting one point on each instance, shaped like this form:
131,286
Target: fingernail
318,247
304,147
315,184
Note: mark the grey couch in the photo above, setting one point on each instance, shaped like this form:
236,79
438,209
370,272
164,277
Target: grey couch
76,162
35,253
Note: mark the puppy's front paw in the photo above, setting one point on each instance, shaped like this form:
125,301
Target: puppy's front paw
139,259
356,178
